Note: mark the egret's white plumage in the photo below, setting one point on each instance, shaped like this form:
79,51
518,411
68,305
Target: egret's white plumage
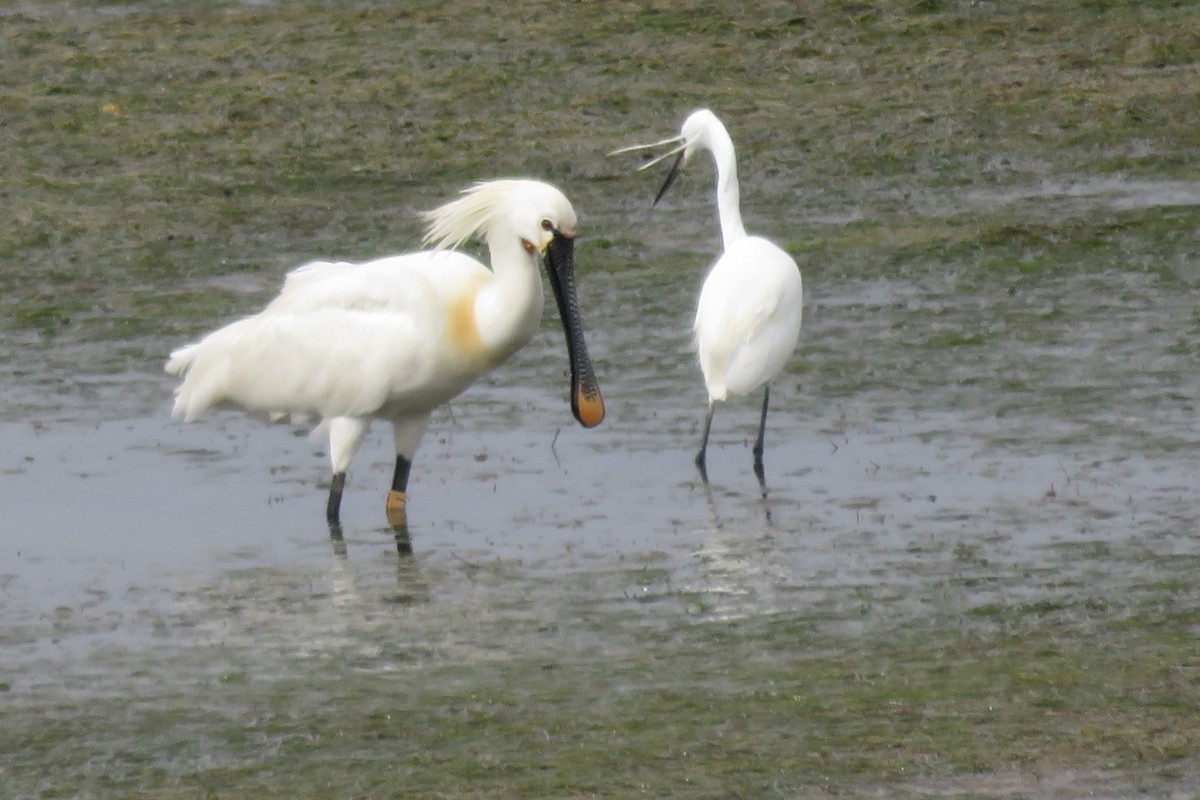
396,337
748,315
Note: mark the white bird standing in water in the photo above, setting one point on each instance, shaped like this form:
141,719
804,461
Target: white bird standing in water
748,315
397,337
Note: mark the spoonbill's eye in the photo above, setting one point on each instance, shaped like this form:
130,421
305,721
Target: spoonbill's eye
547,225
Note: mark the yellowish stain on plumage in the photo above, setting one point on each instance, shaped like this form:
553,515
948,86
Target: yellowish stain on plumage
462,328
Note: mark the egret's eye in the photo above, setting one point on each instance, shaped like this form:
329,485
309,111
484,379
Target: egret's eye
547,225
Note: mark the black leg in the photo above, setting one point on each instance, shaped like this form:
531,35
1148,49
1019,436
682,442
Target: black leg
700,457
334,506
397,498
400,476
404,546
338,543
758,444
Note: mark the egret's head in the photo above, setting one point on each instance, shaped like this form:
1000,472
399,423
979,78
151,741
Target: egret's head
693,136
695,132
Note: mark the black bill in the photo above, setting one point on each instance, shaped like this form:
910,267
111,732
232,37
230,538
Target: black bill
586,403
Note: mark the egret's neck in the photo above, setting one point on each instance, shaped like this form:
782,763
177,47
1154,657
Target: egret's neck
729,211
508,308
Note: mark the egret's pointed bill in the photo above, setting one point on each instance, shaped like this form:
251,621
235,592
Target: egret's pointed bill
586,403
679,151
671,176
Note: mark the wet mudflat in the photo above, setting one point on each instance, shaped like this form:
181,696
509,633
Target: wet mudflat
973,574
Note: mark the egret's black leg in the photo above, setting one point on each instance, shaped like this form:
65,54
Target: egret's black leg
337,541
333,507
700,457
397,498
758,444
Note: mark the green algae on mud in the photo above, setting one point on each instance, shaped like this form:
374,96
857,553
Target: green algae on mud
185,140
767,706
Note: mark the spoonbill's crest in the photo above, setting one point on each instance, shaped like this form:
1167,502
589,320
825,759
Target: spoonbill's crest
748,315
397,337
532,210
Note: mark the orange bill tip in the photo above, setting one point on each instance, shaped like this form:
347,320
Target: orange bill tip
589,409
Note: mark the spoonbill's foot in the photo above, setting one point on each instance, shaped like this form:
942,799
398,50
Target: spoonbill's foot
397,509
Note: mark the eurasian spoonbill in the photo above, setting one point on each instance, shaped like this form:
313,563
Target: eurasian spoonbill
397,337
748,316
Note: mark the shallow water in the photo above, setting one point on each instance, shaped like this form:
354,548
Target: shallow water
909,476
950,447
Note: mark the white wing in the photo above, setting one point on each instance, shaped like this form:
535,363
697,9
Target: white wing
395,282
340,340
748,317
330,362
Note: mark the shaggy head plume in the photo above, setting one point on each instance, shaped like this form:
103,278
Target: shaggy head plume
449,225
489,203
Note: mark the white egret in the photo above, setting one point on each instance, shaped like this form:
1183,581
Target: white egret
748,316
397,337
